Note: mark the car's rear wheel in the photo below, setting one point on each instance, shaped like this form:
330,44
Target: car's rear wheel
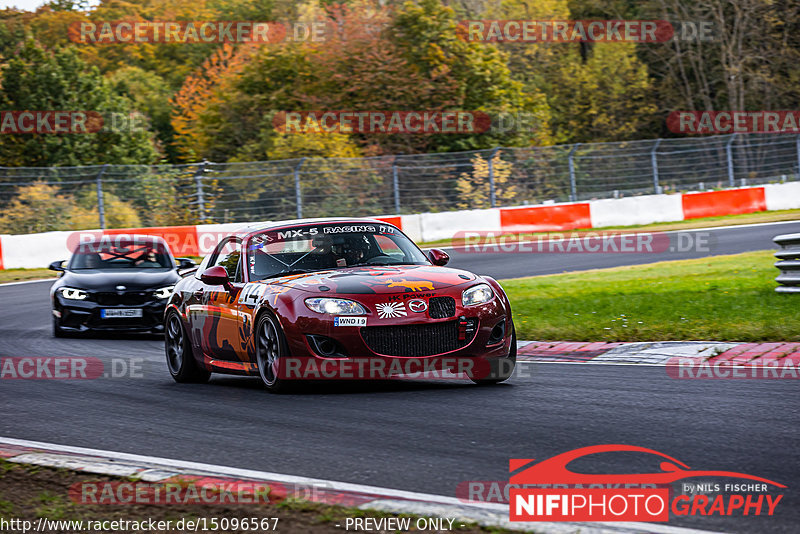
501,369
271,348
180,359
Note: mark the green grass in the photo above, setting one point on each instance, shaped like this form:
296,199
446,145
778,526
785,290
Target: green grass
19,275
726,298
706,222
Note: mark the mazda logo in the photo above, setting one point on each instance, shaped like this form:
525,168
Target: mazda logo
417,306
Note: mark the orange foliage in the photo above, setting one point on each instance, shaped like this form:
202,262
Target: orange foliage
201,90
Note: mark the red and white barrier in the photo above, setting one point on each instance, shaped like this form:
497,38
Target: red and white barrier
39,250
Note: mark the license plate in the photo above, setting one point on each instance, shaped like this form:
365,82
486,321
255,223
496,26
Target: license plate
117,313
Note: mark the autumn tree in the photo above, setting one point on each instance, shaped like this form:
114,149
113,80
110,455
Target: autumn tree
474,187
39,80
38,207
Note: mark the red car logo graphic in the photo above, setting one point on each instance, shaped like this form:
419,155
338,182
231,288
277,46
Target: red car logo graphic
554,470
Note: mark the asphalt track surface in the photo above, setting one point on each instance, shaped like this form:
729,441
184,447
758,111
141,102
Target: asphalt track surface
421,436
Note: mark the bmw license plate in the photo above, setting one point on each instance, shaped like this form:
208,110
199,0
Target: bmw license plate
120,313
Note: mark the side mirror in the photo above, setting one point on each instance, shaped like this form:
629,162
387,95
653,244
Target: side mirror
217,276
57,266
438,257
185,263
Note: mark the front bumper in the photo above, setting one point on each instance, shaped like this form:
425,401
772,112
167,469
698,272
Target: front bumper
85,315
402,346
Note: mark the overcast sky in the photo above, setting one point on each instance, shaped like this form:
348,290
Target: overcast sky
29,5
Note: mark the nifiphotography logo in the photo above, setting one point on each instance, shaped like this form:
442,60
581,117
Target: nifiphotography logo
571,496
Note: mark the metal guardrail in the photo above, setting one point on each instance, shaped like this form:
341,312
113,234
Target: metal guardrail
788,262
210,192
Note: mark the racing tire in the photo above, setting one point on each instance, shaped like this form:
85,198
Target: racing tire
271,348
57,330
501,369
180,357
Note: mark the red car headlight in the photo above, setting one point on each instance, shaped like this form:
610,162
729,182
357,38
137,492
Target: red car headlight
331,306
477,295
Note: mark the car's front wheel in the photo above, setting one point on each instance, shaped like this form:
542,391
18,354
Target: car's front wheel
271,348
180,360
501,369
57,330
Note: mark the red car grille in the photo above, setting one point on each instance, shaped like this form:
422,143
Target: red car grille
441,307
417,339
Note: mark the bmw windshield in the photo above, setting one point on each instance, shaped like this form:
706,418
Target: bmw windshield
120,256
329,246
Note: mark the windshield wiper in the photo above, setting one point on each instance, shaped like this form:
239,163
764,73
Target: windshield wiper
288,272
367,264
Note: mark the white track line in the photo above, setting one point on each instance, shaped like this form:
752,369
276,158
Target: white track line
28,282
426,504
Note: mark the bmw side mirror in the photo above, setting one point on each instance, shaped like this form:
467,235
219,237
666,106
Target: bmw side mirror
185,263
438,257
217,276
57,266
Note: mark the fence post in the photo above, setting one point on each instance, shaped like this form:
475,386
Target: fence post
101,210
297,196
729,153
797,147
395,188
654,163
492,193
201,199
573,187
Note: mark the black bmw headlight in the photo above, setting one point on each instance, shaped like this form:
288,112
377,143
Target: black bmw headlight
163,292
72,293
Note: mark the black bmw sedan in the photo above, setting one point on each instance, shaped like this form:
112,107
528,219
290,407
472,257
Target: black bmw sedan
115,283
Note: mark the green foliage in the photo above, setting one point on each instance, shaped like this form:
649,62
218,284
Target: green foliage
606,98
150,94
38,80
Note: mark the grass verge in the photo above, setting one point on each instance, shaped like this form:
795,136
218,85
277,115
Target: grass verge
20,275
725,298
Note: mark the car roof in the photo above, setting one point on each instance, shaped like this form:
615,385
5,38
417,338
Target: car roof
273,225
121,239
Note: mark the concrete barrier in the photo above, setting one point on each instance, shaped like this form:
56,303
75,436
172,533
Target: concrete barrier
782,196
724,202
636,210
39,250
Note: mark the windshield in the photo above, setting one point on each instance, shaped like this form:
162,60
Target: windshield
104,256
331,246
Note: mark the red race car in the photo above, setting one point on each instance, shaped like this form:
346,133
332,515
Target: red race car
335,298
